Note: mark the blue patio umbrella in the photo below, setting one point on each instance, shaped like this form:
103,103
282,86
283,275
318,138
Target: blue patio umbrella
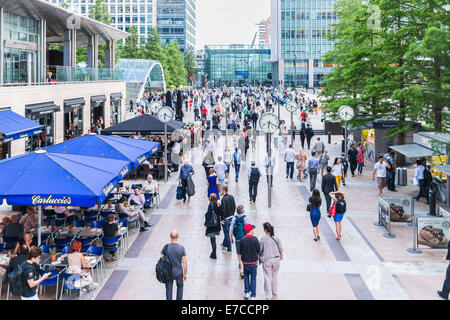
42,178
110,147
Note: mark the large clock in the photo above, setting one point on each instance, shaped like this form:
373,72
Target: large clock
226,103
165,114
292,106
346,113
155,106
269,122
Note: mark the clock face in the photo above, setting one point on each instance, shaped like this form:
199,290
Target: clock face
165,114
269,122
155,106
226,103
292,106
346,113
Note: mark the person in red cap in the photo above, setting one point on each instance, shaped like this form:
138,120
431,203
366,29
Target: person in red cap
250,250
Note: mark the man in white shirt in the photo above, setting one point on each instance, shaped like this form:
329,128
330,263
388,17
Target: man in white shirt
272,165
221,172
380,170
289,157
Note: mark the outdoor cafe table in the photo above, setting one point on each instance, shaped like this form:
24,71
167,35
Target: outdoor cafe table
64,232
62,260
44,229
90,232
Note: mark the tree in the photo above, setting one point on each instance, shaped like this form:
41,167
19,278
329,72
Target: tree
130,49
175,70
189,61
64,5
99,12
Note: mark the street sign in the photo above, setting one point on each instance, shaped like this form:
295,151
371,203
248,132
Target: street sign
192,78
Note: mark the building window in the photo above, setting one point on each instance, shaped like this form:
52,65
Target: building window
20,66
135,19
142,19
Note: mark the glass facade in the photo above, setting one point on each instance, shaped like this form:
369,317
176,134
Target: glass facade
305,25
47,136
237,64
176,22
21,66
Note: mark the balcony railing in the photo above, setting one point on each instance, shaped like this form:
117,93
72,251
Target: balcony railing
76,74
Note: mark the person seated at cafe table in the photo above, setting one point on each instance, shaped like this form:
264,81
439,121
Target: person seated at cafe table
137,197
70,215
77,265
30,219
14,228
111,229
26,240
151,185
5,221
132,215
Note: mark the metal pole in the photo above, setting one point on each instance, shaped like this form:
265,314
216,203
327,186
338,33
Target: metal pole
292,128
165,152
269,169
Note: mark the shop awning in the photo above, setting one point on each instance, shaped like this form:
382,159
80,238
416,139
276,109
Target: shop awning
116,96
73,102
98,98
413,150
13,126
43,107
444,169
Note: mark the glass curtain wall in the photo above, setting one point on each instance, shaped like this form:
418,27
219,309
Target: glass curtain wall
47,136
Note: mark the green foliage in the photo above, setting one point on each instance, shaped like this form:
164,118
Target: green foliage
52,250
64,5
130,49
398,70
176,72
99,12
189,61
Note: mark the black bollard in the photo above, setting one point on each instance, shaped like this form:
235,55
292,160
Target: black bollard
329,137
343,147
432,200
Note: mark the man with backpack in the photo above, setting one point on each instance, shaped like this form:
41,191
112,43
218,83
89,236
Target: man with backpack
24,279
237,232
177,263
253,179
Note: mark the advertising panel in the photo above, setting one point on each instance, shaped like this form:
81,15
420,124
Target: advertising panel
401,208
433,232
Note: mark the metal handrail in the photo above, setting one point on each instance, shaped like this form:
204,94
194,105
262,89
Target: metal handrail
54,83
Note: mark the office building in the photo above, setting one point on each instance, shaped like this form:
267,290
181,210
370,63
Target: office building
43,84
263,33
237,64
177,21
124,13
299,41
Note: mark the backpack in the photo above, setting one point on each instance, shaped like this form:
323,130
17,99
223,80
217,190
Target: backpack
427,177
164,268
341,206
15,280
238,227
254,175
213,220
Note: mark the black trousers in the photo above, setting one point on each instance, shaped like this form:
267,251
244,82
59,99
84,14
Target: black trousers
302,139
253,190
328,200
308,141
184,187
213,245
254,123
390,180
423,190
353,166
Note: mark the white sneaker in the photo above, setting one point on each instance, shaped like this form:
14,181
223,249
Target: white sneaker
252,298
268,298
247,295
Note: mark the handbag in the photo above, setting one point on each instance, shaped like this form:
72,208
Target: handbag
179,193
213,221
333,210
308,207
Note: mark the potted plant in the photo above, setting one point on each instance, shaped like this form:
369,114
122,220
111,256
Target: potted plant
52,254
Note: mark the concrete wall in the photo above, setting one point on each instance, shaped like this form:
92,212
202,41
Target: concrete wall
18,97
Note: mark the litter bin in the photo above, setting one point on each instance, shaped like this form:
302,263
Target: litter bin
402,176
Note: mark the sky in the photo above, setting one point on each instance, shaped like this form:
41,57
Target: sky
229,21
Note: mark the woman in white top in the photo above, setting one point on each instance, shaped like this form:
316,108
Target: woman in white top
227,158
150,185
77,265
338,171
271,254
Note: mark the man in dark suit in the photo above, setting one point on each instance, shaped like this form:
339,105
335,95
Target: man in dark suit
446,287
328,185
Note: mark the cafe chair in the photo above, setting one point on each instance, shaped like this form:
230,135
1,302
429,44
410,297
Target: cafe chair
79,223
98,251
66,249
2,247
111,244
59,222
46,248
105,214
61,243
134,186
69,284
10,242
44,237
85,242
125,235
90,215
98,224
51,281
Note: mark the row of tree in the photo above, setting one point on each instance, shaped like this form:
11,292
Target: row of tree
177,66
391,61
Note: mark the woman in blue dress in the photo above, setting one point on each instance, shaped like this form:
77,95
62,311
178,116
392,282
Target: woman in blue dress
335,196
212,182
315,202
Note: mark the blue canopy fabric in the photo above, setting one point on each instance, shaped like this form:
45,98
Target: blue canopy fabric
13,126
43,178
109,147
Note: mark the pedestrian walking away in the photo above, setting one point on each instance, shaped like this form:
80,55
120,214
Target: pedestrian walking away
289,157
250,251
419,178
212,224
309,133
313,168
271,255
314,212
340,207
328,185
211,182
318,147
323,161
446,287
237,232
352,156
253,179
237,155
185,171
177,257
228,206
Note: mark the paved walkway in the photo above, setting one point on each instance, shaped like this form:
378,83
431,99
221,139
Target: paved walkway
363,265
